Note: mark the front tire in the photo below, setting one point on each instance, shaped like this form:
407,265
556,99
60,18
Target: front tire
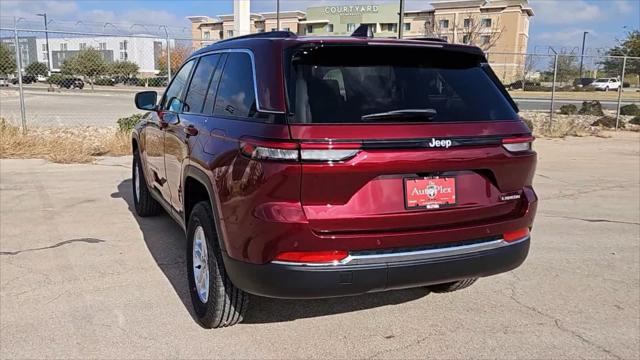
144,203
216,301
452,286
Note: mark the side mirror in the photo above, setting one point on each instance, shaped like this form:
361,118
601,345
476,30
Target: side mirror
146,100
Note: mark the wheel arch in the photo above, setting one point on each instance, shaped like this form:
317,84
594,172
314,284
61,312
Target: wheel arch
197,186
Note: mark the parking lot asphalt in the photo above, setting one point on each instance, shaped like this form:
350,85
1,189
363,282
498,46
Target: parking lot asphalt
82,277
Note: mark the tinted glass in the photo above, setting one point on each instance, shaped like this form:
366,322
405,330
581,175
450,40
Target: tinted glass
236,96
173,95
200,83
342,85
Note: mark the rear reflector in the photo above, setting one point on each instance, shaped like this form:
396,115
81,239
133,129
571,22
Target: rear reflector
515,235
517,144
316,257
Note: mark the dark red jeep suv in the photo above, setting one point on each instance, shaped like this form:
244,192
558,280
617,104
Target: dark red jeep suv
307,167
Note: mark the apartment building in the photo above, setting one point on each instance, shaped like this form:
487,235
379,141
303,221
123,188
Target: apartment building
144,51
206,30
500,27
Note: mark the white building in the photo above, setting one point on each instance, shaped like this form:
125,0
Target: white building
144,51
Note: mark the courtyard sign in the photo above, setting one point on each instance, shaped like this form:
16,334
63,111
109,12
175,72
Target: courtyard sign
351,10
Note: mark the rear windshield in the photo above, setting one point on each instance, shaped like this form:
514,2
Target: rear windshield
344,84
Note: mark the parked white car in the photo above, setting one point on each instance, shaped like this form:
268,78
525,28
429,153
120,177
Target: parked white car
606,84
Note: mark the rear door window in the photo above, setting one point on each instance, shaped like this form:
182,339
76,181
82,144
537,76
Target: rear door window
345,84
200,84
236,95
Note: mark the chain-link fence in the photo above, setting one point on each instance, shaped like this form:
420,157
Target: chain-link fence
70,77
568,84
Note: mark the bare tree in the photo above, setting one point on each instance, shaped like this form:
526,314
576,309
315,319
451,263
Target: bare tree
470,28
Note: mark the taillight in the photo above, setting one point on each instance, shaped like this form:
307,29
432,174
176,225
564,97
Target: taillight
269,150
316,257
328,151
518,144
515,235
290,151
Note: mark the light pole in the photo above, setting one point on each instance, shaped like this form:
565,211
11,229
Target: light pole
401,20
277,15
46,36
584,38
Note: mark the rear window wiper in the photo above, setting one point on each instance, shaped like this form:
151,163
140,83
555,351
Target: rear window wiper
417,114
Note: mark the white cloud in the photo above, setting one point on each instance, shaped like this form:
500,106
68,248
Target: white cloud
27,9
563,12
570,40
66,15
623,6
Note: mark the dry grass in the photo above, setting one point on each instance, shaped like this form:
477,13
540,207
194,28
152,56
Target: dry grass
62,145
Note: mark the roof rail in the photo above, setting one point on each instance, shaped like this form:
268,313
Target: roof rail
262,35
363,31
436,39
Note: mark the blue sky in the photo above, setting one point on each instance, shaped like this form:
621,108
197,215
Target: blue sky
558,23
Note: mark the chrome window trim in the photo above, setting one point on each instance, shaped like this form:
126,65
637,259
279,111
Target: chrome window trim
253,65
400,257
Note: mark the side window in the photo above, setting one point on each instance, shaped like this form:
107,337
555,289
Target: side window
236,96
200,83
173,95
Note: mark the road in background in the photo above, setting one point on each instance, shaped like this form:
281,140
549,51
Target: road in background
545,104
82,277
79,108
103,107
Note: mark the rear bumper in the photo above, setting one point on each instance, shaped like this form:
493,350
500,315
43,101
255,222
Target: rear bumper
303,281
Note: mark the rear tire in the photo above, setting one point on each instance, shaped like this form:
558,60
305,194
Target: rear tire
144,203
216,301
452,286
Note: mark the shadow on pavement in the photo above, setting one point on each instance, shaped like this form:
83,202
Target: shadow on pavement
165,240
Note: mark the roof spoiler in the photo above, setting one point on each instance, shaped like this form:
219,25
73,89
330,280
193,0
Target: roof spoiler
269,34
363,31
436,39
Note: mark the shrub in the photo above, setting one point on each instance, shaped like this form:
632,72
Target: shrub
55,79
631,110
537,88
158,81
568,109
608,122
635,120
36,68
126,124
104,82
591,108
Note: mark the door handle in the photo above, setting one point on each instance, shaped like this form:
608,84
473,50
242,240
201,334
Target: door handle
190,130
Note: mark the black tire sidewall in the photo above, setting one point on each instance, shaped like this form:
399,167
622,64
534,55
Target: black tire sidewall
201,216
137,164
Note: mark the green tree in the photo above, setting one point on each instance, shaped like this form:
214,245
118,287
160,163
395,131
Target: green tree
7,60
627,47
89,63
567,68
36,68
123,68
